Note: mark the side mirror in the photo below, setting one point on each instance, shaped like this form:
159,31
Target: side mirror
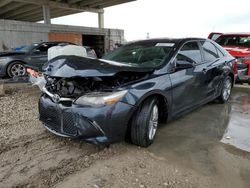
180,64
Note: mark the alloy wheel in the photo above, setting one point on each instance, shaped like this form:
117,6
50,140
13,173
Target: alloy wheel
17,69
227,89
153,122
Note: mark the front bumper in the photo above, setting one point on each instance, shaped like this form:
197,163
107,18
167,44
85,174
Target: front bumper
105,124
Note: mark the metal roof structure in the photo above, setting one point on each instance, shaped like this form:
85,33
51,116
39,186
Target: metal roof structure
37,10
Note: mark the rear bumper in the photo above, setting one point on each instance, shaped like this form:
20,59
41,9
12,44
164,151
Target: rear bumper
102,125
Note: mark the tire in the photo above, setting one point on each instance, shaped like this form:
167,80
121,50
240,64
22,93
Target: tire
226,90
144,124
16,69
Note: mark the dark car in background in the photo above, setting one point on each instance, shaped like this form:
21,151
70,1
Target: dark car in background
13,63
238,45
133,89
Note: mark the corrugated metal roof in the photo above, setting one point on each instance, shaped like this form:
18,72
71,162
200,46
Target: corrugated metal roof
31,10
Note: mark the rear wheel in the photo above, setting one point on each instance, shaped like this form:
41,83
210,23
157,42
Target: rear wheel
145,123
226,90
16,69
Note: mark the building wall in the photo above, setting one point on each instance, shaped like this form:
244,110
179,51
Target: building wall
13,34
16,33
75,38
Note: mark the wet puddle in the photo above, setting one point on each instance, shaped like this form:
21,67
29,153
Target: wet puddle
213,140
238,130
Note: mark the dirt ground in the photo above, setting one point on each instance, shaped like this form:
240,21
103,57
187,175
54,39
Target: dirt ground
30,156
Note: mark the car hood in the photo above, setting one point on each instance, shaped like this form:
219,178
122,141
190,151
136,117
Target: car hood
73,66
238,51
7,54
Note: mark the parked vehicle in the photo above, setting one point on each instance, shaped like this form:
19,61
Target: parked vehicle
132,89
13,63
238,45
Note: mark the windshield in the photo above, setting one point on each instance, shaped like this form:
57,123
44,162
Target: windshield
234,40
25,48
150,54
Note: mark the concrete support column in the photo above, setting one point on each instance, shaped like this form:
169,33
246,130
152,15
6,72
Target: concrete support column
46,14
101,19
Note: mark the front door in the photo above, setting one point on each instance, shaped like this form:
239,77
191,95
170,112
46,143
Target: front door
187,81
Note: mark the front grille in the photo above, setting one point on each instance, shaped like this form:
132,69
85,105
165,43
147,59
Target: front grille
58,120
50,117
68,124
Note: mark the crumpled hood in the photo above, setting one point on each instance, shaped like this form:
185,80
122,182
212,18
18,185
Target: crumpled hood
73,66
238,51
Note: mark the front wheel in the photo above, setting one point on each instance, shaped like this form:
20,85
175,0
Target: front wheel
226,90
145,123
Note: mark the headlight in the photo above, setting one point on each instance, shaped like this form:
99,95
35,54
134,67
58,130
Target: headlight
98,99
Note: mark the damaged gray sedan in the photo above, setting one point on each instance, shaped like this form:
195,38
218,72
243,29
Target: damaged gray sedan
134,88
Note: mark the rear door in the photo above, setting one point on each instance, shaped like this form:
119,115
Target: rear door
212,69
187,83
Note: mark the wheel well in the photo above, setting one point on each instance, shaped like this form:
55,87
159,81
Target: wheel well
163,111
163,107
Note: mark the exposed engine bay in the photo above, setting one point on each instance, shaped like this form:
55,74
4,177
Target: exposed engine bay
70,77
78,86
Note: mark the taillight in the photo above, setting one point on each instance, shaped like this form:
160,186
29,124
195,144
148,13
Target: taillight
246,61
235,69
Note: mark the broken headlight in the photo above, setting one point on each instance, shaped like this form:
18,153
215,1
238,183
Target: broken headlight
98,99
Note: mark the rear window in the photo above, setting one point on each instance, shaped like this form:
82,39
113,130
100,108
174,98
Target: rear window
219,52
234,40
210,52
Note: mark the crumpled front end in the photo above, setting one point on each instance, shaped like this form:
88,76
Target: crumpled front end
85,103
106,124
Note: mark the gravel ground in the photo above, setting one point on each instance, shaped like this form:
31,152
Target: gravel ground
32,157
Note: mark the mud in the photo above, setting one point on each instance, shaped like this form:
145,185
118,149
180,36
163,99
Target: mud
185,153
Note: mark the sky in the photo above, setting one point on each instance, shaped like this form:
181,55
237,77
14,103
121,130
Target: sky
169,18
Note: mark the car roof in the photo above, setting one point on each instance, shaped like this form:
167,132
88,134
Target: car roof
166,40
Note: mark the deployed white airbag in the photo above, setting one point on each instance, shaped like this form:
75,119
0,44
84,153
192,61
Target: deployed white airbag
66,50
